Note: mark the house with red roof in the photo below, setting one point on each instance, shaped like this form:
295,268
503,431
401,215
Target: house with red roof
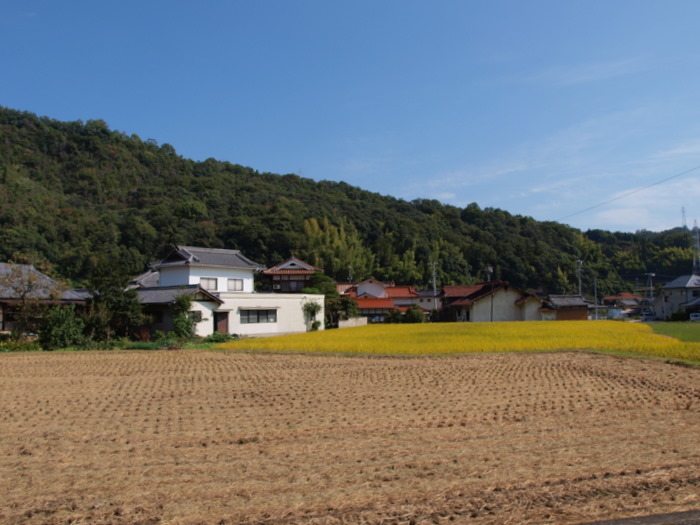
291,276
376,299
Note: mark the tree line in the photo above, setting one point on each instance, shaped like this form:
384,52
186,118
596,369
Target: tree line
78,197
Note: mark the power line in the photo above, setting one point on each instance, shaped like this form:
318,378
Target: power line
629,193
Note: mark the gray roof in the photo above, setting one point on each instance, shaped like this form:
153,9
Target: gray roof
168,294
567,301
148,279
209,257
18,281
685,281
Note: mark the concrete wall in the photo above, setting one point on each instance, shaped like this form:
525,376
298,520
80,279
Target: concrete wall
352,323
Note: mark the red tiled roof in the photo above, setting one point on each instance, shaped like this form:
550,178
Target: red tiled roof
404,309
622,296
289,272
374,302
461,291
401,291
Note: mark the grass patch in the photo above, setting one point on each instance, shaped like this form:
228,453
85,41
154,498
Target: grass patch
461,338
688,332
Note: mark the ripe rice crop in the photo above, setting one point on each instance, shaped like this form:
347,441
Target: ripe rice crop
463,338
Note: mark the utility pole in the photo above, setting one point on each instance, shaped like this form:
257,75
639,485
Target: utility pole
648,294
489,272
595,297
434,265
579,262
696,255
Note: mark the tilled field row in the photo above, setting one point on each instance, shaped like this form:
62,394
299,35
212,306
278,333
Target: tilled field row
211,436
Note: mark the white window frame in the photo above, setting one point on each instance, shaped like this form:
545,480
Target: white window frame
206,283
235,285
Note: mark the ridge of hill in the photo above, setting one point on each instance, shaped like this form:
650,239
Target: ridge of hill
78,197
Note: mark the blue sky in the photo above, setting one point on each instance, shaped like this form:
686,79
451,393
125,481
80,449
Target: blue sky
540,108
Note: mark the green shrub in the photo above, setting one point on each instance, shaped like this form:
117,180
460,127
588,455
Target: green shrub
61,328
414,315
19,346
218,337
147,345
679,316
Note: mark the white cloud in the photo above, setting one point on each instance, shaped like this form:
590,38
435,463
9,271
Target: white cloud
689,148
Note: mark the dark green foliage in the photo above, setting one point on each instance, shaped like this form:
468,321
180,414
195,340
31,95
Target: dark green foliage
218,337
340,308
13,345
71,192
679,316
112,311
414,315
183,323
393,317
61,327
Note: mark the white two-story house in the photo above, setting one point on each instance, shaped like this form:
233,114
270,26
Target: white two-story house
221,284
680,294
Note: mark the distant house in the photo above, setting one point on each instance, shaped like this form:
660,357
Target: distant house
221,284
565,308
375,299
623,300
490,301
22,286
622,304
291,276
681,294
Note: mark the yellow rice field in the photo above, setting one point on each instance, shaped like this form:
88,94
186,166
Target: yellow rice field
463,338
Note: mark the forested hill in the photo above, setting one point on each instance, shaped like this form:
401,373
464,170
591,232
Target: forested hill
77,196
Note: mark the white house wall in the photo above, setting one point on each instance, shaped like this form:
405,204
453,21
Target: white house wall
531,310
290,316
174,276
191,274
504,307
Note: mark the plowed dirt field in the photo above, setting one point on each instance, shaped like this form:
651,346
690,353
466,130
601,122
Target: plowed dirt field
221,437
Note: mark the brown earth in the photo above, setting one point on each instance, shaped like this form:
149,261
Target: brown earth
215,437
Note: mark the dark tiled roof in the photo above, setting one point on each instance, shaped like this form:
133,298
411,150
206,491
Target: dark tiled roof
149,279
209,257
168,294
567,301
19,279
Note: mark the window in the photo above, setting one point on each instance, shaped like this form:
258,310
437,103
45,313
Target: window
258,316
195,315
208,283
235,285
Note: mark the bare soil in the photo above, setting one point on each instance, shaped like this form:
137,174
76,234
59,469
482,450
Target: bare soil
219,437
